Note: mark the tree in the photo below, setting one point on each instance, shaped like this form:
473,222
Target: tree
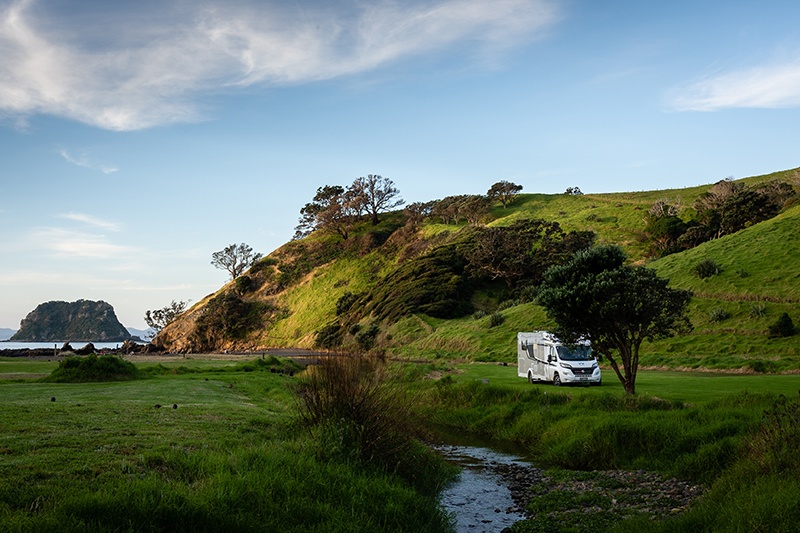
505,191
597,297
311,213
235,259
523,251
376,194
161,318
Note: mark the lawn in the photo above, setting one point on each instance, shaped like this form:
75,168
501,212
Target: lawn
689,387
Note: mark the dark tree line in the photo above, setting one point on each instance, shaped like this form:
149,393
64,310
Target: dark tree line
726,208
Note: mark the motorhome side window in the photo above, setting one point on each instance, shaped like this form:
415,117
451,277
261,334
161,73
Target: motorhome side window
539,352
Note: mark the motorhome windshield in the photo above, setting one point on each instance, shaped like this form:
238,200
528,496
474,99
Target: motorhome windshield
577,353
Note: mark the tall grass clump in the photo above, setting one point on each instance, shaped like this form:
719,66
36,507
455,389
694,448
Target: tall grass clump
357,413
707,268
760,491
75,369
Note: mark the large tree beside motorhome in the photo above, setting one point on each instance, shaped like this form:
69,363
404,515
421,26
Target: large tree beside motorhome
596,296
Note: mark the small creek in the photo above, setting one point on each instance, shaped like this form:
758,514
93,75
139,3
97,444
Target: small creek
479,500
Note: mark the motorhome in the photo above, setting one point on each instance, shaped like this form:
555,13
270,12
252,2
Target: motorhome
541,357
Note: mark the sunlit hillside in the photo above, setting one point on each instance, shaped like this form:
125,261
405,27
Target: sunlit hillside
308,289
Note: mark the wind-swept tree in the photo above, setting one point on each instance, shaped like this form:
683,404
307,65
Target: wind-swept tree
158,319
505,191
376,194
235,259
597,297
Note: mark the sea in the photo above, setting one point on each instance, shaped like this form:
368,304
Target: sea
9,345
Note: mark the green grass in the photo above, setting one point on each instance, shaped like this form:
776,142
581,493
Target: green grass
690,387
118,456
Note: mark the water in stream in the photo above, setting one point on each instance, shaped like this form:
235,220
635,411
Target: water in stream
479,499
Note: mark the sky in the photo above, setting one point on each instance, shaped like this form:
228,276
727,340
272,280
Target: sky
137,138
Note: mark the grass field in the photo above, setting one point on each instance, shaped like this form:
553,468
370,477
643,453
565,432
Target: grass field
215,445
210,447
691,387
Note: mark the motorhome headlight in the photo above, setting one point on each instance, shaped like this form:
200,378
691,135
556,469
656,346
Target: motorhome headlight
594,366
565,365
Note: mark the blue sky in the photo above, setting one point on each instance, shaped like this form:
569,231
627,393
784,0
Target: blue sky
137,138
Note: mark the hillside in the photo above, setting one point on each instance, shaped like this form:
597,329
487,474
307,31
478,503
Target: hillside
409,290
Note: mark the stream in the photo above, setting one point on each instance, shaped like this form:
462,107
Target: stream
480,499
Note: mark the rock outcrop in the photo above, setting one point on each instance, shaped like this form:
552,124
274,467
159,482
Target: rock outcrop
81,321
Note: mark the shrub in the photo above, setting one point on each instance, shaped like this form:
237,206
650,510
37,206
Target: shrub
358,413
707,268
227,316
718,314
495,319
345,302
366,337
480,313
329,336
244,284
783,327
92,368
758,309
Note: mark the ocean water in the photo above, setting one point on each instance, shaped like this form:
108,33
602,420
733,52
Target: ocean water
8,345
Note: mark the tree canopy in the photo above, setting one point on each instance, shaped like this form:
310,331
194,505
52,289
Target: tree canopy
596,296
235,259
159,319
523,251
335,209
505,191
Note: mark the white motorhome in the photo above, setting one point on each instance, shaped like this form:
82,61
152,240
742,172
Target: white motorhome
542,357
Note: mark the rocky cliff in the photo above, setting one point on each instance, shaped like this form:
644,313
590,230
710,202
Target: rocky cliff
81,321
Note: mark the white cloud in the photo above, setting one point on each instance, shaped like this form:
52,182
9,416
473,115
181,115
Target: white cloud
84,161
90,220
66,243
773,86
154,66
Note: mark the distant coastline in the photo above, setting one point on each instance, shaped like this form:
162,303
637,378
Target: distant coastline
14,345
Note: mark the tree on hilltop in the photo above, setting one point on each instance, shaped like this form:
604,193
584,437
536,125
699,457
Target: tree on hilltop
235,259
505,191
336,209
376,194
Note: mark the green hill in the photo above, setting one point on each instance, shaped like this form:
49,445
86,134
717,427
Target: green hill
410,290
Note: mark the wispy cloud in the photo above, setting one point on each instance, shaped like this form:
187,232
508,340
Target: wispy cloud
154,66
76,244
84,161
771,86
90,220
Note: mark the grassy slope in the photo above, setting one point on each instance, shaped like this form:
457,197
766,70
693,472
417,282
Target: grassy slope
759,273
765,252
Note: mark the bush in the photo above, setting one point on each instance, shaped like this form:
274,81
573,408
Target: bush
329,336
345,302
480,313
718,314
707,268
495,319
92,368
758,309
244,284
366,337
783,327
358,414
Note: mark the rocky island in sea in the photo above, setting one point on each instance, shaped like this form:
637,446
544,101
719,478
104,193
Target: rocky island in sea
80,321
